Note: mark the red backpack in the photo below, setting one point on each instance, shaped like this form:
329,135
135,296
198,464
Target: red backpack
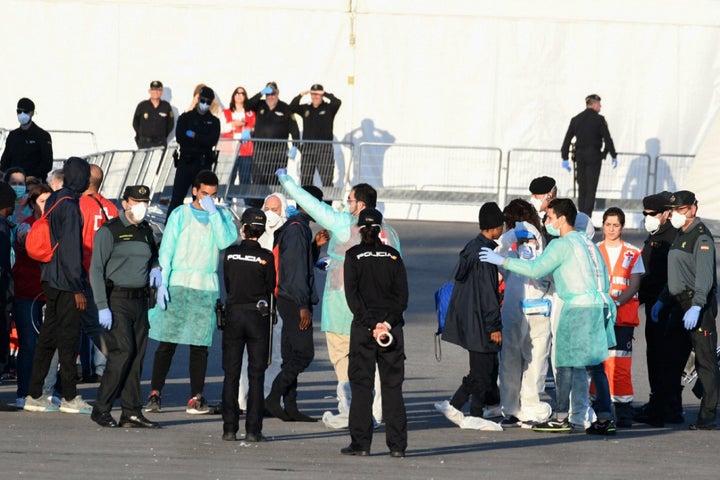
38,243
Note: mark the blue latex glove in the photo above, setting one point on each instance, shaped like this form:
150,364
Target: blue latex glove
690,319
323,263
245,135
292,153
526,252
566,165
655,312
155,277
105,317
281,171
267,91
163,297
487,255
190,133
208,204
291,211
614,162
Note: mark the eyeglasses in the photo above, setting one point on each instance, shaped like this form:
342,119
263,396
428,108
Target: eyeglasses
22,110
204,100
349,200
650,214
240,93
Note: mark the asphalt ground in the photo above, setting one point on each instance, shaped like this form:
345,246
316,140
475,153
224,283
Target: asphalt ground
57,445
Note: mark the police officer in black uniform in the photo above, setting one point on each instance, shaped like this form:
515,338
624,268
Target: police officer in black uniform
197,133
153,119
376,290
249,282
665,354
691,296
274,121
123,268
29,146
317,117
590,130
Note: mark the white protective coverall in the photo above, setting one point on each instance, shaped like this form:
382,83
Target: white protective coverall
526,338
266,241
336,315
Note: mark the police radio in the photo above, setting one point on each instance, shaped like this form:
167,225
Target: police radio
220,314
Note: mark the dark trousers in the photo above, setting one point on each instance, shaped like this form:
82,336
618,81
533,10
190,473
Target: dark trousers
267,158
587,167
668,347
298,352
704,341
126,344
317,156
364,354
163,359
61,331
480,383
244,328
184,177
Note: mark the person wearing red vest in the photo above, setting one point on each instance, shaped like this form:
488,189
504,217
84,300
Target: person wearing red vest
238,123
625,266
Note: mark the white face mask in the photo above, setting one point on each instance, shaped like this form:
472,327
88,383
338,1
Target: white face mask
139,210
273,219
536,202
678,220
652,224
23,118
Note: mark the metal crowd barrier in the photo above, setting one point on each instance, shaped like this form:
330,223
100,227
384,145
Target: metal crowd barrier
72,143
458,175
670,171
3,135
258,179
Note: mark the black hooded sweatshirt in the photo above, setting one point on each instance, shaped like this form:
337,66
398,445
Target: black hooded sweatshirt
65,271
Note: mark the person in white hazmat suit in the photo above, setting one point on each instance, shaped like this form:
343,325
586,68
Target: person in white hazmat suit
586,321
336,315
274,206
526,323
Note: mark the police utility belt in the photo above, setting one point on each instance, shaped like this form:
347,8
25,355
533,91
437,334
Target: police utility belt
205,159
262,306
685,297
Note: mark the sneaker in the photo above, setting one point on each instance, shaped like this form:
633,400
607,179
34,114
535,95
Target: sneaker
555,425
510,422
601,428
41,404
153,403
76,405
197,405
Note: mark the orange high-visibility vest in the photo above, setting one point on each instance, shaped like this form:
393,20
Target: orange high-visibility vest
627,313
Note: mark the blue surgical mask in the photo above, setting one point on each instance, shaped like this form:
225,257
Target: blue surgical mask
291,211
552,230
19,190
203,107
23,118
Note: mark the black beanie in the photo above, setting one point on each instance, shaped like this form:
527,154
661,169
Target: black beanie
490,216
7,196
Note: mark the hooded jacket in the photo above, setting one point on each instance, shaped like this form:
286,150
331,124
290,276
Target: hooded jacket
65,270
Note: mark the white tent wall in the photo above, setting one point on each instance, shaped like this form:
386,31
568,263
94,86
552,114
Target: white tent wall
505,74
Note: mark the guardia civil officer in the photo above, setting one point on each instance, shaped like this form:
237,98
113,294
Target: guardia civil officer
690,295
249,282
590,130
124,262
153,119
376,290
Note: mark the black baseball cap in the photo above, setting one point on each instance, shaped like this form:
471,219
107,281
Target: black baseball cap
253,216
369,216
156,85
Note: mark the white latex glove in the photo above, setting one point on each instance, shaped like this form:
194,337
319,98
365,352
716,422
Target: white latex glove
690,319
208,204
155,277
487,255
105,318
163,297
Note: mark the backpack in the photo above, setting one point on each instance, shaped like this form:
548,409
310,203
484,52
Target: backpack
38,243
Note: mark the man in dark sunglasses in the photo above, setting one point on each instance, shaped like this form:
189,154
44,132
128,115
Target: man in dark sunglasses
29,146
197,133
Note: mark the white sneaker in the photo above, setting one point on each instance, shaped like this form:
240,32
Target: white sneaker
41,404
76,405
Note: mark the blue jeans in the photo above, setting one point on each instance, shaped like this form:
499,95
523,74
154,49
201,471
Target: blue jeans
28,318
574,379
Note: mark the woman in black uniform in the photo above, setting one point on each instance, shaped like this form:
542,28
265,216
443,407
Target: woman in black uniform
377,294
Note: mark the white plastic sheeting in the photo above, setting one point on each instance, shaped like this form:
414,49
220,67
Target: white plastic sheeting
504,74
